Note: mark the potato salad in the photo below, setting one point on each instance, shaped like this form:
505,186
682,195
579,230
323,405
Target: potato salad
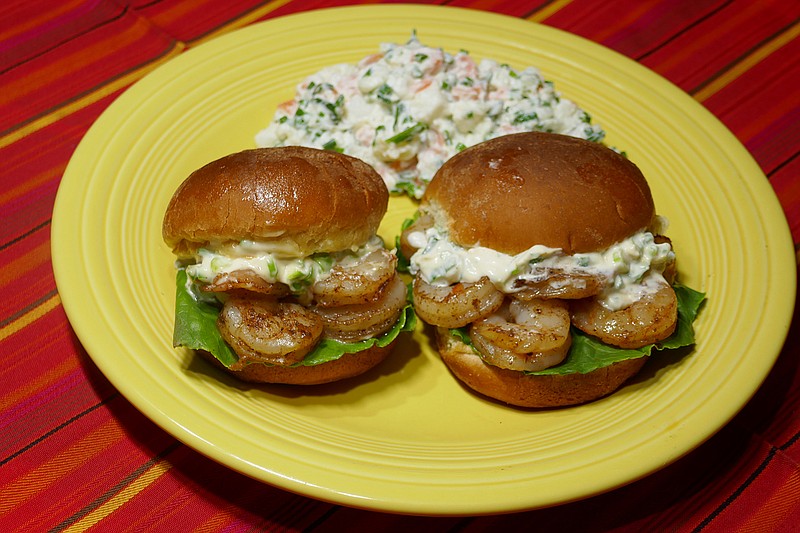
409,108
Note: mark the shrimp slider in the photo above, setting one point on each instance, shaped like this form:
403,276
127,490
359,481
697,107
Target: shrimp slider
281,275
540,260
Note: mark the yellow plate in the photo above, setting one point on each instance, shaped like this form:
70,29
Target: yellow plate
406,437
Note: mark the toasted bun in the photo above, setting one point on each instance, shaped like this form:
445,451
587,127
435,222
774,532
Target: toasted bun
300,200
519,190
517,388
347,366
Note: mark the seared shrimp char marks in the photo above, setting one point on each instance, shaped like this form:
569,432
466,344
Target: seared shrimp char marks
357,283
267,331
524,335
246,280
455,306
560,284
650,319
351,323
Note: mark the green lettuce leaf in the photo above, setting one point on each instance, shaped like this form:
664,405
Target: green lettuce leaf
196,322
689,303
330,350
588,354
196,328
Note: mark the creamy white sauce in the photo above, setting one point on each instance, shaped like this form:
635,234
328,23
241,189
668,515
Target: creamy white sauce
631,268
410,108
298,272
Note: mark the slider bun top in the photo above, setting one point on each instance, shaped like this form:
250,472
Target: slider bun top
519,190
299,200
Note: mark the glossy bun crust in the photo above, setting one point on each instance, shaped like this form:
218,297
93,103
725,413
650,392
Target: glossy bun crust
303,200
519,190
517,388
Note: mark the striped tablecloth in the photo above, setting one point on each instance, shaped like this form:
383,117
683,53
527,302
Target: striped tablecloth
74,454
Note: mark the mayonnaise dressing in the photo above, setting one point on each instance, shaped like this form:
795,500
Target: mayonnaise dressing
298,272
632,268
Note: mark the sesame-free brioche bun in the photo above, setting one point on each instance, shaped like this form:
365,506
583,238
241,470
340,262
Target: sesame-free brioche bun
519,190
524,390
347,366
301,200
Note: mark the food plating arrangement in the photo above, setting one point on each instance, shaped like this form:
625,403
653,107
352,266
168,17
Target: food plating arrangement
536,251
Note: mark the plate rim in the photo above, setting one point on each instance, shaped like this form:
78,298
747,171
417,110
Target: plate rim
66,285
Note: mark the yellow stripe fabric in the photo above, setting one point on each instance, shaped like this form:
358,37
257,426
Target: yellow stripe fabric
748,62
30,317
149,477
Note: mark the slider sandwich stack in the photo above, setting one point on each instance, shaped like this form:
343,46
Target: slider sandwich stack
282,277
542,265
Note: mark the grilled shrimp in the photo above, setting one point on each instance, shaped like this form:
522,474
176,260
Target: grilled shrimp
356,322
355,284
560,284
455,306
246,280
264,330
524,335
651,319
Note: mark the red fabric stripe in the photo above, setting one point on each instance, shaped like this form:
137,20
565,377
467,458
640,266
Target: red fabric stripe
711,46
630,27
29,28
86,459
787,186
31,385
744,478
27,257
764,479
755,108
28,203
38,285
32,167
79,65
780,486
233,502
306,5
514,8
187,21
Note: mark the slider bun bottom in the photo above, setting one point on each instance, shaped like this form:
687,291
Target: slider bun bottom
347,366
516,388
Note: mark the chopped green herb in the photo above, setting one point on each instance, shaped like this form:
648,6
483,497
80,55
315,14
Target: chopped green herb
272,268
525,117
300,278
407,134
325,261
385,94
332,146
408,187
